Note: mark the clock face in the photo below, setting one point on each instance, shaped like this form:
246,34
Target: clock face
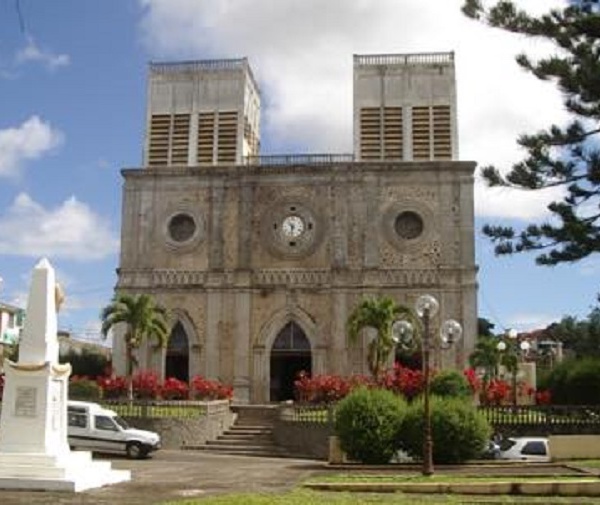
293,226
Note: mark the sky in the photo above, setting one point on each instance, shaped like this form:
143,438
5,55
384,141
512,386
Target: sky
72,108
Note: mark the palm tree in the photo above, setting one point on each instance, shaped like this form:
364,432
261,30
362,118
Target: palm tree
144,319
486,356
380,314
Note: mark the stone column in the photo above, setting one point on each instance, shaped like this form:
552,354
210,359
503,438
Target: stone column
260,385
241,358
213,318
217,203
339,341
371,218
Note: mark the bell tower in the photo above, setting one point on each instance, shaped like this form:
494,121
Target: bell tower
201,113
405,107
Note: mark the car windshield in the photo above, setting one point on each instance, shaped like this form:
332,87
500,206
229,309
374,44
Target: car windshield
121,422
506,444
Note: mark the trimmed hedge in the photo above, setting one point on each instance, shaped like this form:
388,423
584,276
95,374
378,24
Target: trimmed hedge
458,430
367,422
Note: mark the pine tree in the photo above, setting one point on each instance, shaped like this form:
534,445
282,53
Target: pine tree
559,156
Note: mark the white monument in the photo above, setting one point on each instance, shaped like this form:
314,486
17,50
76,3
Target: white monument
34,452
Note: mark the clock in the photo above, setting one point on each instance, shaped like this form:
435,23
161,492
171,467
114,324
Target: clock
290,229
293,226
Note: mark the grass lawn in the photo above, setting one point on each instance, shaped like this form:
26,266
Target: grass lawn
344,478
306,497
586,463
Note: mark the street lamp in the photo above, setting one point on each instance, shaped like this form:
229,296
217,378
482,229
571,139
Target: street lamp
427,307
514,348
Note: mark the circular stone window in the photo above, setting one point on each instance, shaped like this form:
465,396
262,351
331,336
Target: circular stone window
408,225
181,228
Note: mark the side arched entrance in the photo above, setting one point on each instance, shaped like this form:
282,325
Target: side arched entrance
177,361
290,355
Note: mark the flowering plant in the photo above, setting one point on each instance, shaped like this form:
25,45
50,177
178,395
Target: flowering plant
174,389
206,389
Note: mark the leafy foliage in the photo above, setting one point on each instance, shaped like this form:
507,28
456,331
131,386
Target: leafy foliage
581,337
486,356
87,362
379,314
367,422
566,157
143,319
83,388
575,382
458,431
450,383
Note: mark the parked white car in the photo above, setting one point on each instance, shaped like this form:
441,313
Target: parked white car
525,449
94,428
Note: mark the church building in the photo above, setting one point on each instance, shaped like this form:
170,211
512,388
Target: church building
260,259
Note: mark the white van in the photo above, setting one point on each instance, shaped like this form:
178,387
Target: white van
96,429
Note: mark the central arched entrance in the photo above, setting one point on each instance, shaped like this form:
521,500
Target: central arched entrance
178,359
290,355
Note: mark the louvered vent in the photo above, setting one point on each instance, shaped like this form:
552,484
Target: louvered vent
392,123
370,133
180,139
206,137
158,149
442,134
421,133
226,144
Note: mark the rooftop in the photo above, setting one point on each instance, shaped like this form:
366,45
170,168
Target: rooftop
192,66
404,59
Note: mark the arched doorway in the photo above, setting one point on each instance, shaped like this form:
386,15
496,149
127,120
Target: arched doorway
290,355
177,361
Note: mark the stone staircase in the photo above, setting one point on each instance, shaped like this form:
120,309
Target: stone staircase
250,435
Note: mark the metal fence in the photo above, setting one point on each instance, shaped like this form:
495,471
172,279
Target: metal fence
523,420
543,419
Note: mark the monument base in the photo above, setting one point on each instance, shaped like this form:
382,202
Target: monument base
71,471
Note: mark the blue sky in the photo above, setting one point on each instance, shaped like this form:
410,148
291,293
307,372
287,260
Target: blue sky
72,106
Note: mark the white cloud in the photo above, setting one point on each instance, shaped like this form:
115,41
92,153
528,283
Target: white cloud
532,321
31,140
33,53
70,231
302,54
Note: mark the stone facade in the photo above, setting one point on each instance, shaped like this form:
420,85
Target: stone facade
260,263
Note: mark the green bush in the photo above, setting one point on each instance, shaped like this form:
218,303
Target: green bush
450,383
87,362
84,389
575,382
367,423
459,432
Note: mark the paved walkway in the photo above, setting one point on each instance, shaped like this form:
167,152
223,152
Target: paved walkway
171,475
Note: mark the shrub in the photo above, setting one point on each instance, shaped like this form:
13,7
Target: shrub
83,388
174,389
575,382
86,362
206,389
146,385
450,383
404,381
326,388
459,432
367,422
112,387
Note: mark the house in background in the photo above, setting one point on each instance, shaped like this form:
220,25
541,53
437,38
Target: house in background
12,319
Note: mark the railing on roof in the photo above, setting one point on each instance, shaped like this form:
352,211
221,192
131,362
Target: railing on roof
168,67
298,159
404,59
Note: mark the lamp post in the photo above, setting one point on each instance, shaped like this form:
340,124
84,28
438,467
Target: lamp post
514,349
427,307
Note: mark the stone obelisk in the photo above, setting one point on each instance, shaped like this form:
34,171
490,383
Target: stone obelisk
34,452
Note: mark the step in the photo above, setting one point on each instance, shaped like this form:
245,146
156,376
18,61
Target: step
240,451
258,438
227,445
